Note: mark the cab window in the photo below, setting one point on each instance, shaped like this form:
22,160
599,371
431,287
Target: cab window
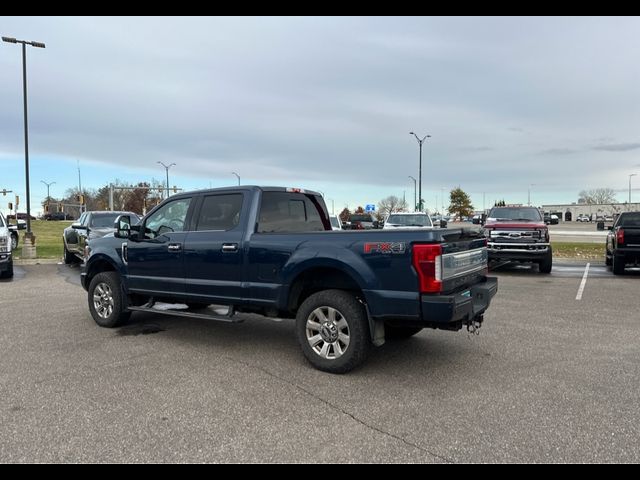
171,217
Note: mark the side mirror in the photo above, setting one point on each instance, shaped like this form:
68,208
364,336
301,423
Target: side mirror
443,224
78,226
122,226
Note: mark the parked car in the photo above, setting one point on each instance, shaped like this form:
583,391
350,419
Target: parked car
336,223
58,216
90,225
359,221
21,216
554,219
400,220
583,218
623,242
272,252
6,246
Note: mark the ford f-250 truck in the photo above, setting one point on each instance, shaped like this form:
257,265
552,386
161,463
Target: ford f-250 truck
271,250
519,233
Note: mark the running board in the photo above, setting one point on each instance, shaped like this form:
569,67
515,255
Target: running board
182,313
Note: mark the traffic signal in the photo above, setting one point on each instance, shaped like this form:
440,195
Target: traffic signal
81,198
10,206
17,201
4,191
60,207
46,208
175,189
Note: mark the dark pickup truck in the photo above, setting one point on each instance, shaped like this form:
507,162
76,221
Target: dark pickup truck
271,250
623,242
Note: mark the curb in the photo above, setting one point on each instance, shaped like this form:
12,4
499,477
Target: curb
36,261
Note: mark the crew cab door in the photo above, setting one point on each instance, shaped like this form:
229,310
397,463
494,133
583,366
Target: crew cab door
213,254
155,261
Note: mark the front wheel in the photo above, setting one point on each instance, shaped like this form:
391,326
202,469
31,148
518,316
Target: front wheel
546,263
333,331
14,241
106,300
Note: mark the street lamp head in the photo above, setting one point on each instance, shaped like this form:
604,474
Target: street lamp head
9,39
411,133
37,44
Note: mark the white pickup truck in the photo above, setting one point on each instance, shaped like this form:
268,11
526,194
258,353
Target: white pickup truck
7,240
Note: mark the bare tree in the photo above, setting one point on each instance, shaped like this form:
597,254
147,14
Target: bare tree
391,204
597,196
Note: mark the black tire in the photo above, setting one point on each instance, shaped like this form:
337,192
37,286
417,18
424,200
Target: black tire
607,259
547,262
8,273
618,265
14,241
106,300
398,332
69,258
343,341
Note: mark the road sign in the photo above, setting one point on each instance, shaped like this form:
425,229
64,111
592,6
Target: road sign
370,207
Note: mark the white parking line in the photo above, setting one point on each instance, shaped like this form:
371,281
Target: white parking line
583,282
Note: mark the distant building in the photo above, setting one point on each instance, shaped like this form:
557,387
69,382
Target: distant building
569,212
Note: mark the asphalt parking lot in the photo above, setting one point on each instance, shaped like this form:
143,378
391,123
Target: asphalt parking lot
552,377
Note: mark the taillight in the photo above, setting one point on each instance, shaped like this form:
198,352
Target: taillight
620,235
427,260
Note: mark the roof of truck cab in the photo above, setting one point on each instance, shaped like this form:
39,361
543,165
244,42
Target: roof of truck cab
245,188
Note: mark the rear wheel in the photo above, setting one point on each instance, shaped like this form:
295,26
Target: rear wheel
106,300
14,241
618,265
333,331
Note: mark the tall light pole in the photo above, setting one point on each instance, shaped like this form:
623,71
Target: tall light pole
529,193
167,167
414,192
237,176
630,175
420,142
26,130
48,185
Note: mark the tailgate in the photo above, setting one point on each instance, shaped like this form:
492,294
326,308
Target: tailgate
464,260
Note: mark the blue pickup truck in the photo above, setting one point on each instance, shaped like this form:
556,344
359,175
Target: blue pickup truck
271,250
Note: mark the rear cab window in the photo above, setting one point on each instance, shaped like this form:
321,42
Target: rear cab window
629,219
220,212
284,212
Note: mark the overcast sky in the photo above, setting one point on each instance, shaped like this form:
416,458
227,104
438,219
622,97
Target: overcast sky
546,106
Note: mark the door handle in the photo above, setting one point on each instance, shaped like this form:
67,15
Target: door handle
230,247
174,247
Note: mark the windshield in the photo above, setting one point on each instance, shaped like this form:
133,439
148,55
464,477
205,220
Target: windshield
523,214
103,221
361,218
1,221
410,220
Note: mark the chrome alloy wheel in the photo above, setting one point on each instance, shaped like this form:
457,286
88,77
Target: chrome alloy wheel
103,300
327,332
